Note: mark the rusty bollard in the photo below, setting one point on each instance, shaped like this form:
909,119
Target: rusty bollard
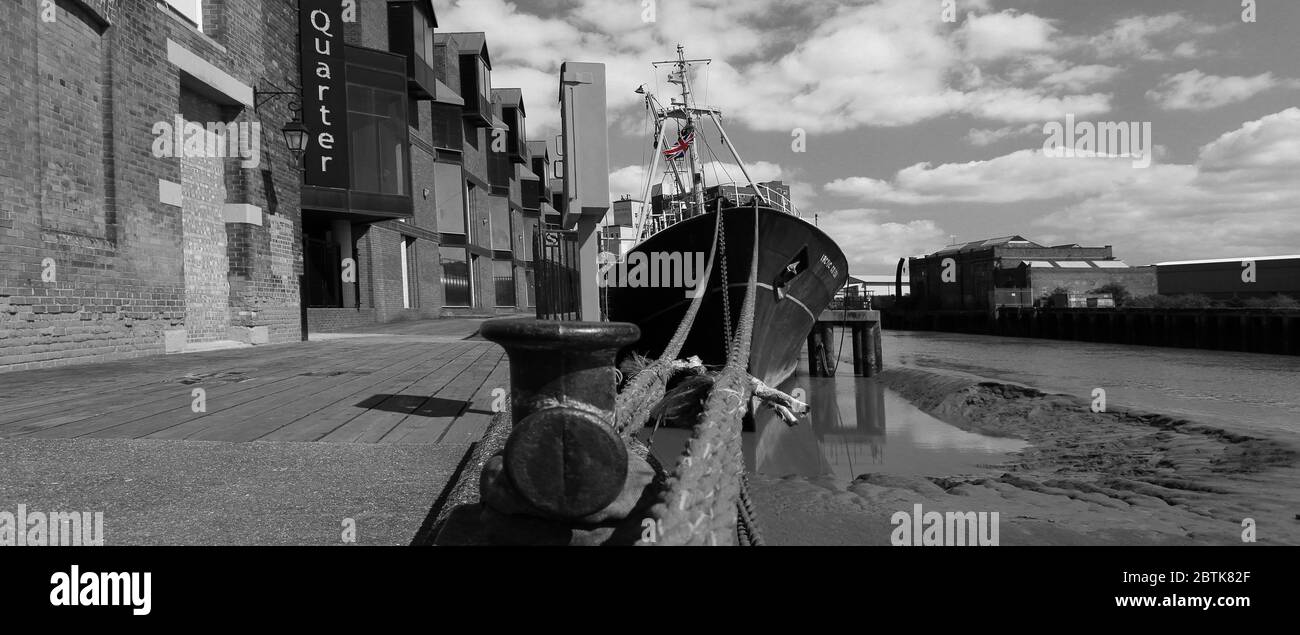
563,455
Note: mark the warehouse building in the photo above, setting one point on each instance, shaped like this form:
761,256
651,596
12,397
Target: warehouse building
156,201
149,203
1012,270
1227,278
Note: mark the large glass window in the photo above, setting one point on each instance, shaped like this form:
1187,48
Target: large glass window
377,118
456,285
499,209
503,274
449,198
525,248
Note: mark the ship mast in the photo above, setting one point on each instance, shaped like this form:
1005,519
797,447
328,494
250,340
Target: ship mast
697,189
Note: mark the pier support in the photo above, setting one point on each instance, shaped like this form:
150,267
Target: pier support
819,346
864,329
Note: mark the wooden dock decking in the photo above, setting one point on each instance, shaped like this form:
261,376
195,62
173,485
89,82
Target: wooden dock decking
386,388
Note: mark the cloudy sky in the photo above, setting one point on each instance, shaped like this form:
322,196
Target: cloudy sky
920,129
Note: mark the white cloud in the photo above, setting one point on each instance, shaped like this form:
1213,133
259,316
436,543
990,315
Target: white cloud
1239,198
984,137
1006,34
869,244
822,65
1194,90
1144,36
1079,78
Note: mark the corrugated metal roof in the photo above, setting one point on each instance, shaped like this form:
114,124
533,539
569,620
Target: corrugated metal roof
1224,260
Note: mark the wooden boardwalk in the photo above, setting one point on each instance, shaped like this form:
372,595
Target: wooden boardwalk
401,388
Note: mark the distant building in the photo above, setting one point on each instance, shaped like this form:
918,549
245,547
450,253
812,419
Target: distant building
1012,270
1231,277
875,285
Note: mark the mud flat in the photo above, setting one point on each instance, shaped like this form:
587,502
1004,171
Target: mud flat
1117,477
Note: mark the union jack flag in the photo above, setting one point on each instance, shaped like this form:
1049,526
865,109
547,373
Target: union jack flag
684,140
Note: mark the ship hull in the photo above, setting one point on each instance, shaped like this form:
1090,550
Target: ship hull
787,304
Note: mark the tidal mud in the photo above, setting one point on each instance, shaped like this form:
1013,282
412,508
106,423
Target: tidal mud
1119,477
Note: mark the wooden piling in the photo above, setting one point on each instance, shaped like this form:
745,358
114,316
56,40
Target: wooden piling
860,364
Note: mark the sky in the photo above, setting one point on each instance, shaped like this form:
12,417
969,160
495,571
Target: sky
928,122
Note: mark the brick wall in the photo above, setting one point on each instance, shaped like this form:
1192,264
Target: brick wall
92,261
328,320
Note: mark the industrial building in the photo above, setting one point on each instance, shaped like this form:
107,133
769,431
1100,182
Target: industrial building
1227,278
1012,270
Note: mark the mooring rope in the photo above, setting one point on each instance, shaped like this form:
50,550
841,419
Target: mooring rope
646,388
703,500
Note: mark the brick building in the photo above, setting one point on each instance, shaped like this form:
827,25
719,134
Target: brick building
982,274
442,228
149,204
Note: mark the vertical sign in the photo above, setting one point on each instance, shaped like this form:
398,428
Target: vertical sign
324,93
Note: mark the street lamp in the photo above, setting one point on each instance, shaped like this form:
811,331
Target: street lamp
296,138
296,135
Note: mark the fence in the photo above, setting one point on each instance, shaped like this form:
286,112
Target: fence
556,266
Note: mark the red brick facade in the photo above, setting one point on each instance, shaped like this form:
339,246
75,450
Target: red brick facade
98,234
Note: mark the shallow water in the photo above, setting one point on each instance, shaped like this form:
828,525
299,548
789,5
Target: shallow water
856,427
1249,392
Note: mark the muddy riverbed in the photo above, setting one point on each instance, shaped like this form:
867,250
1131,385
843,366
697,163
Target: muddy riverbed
1080,477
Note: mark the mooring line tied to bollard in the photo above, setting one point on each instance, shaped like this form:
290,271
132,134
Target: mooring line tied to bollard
705,500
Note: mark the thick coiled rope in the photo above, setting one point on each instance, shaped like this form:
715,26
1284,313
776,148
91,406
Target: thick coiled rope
646,388
701,503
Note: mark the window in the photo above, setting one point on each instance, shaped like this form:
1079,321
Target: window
478,215
503,275
449,198
191,9
484,79
377,118
499,210
457,288
410,294
422,41
525,248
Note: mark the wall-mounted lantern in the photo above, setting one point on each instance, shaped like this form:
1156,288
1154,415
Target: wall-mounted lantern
296,135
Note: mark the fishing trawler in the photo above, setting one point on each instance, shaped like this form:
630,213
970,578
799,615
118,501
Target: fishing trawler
800,268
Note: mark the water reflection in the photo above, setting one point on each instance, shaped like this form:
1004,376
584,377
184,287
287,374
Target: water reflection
846,435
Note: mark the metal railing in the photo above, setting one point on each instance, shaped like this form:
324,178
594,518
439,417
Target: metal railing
772,197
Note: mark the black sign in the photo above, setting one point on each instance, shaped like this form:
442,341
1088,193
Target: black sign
324,92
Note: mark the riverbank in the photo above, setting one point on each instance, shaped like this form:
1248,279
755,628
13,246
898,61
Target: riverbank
1120,477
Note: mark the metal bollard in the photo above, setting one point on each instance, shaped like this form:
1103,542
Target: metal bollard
563,455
